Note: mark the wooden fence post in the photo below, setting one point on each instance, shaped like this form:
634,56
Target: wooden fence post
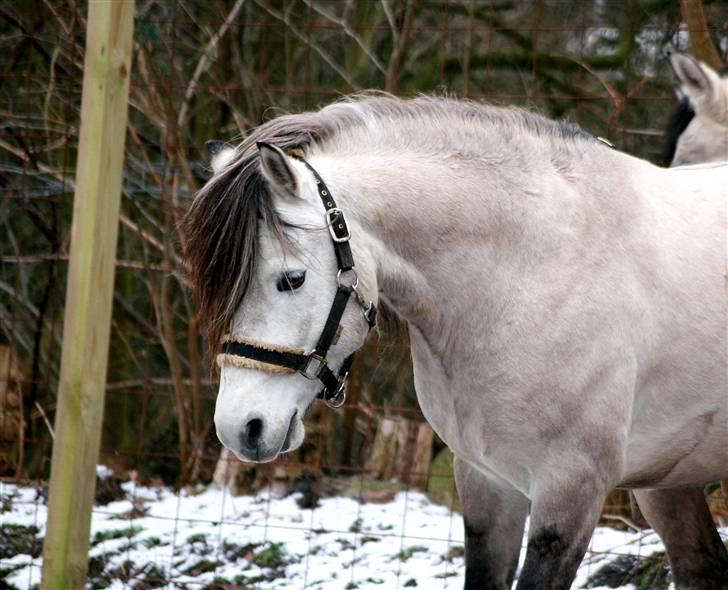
87,319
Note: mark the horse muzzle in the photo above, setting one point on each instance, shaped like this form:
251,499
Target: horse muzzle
260,440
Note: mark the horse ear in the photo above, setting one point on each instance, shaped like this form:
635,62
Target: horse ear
697,79
277,169
220,154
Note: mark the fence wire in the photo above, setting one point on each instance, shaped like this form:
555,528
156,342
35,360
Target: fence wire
213,70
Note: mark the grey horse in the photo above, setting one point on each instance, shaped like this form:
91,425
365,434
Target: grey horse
566,305
698,128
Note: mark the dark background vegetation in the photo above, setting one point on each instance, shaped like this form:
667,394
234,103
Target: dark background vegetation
214,69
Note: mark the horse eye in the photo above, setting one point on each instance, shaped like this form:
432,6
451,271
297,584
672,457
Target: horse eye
291,280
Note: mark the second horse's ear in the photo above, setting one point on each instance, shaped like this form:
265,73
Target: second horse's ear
220,154
699,82
277,170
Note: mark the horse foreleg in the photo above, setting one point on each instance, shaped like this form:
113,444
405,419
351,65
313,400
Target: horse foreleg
698,558
564,512
494,515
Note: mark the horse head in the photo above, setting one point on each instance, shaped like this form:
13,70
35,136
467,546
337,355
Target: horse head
279,347
704,93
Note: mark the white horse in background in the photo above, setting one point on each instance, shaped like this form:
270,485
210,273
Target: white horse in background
566,305
698,128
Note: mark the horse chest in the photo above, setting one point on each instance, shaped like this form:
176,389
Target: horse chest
473,431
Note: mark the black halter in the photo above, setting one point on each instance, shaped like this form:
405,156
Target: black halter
314,364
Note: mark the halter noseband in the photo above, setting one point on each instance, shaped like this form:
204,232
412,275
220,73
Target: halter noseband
314,364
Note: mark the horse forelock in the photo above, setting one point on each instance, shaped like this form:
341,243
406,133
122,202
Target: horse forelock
220,229
221,226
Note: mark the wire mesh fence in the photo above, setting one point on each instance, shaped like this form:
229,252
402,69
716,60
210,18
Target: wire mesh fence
214,70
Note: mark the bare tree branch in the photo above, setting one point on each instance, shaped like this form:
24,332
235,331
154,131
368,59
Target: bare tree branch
325,56
205,61
349,32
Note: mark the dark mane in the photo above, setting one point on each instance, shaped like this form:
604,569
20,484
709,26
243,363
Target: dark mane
219,241
220,228
679,121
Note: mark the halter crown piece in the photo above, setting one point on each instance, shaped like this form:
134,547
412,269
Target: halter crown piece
274,358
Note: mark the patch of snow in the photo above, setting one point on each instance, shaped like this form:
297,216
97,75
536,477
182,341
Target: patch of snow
196,537
102,471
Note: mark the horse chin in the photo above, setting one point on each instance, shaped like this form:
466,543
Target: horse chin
261,456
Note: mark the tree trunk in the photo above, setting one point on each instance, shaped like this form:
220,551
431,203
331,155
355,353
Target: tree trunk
226,471
703,47
402,448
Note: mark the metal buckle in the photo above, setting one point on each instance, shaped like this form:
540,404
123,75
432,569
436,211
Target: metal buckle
339,397
368,308
605,141
370,315
313,367
331,215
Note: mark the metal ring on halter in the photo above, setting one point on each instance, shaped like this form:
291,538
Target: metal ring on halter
353,285
337,399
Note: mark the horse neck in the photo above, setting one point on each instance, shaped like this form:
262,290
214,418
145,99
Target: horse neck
426,224
446,231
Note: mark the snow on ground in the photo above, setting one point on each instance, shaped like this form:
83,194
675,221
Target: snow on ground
210,538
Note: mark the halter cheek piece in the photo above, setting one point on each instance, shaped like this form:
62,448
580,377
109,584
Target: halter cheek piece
314,364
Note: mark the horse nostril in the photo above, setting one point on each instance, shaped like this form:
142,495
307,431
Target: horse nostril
253,430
